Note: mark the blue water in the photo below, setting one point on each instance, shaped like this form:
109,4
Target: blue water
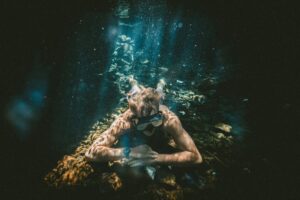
223,63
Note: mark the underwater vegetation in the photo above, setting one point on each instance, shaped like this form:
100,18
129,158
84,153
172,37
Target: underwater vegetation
215,141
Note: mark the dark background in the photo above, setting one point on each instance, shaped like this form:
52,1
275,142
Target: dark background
265,40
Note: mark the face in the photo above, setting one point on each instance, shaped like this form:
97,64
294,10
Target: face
140,110
144,105
143,120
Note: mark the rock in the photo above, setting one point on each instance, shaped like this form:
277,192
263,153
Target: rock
169,181
220,135
223,127
145,61
201,98
247,170
112,180
179,81
182,112
164,69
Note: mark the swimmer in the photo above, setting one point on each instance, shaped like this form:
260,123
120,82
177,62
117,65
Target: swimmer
141,132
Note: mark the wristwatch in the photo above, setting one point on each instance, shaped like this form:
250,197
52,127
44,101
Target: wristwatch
126,152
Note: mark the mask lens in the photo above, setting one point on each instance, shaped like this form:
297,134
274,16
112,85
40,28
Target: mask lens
156,123
156,120
141,127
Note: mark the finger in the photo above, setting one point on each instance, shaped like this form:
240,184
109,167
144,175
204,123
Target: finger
132,161
153,153
140,162
149,156
136,155
128,161
136,163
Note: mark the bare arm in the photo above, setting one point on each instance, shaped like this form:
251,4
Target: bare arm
189,153
101,149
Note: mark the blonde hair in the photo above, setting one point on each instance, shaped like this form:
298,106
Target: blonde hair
145,102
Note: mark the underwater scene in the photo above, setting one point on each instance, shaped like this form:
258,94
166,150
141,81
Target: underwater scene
155,99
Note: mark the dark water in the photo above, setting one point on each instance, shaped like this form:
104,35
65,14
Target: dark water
57,80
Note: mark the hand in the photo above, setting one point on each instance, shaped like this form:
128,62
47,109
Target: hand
141,155
138,162
142,151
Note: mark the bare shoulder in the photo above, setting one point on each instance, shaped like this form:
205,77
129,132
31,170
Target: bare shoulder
171,120
122,121
117,128
126,116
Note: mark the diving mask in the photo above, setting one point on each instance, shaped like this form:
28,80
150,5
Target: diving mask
144,122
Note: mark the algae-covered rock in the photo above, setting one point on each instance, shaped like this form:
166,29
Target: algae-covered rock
212,140
224,127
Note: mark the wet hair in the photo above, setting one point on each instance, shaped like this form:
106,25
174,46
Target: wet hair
145,102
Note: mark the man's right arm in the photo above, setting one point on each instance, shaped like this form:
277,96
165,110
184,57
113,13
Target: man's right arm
101,150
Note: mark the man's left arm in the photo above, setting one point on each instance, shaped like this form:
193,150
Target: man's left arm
189,153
